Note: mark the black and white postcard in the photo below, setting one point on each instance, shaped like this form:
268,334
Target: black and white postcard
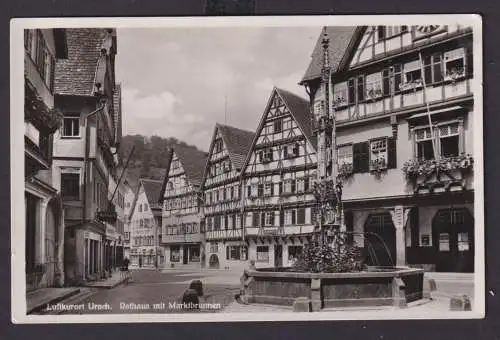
247,168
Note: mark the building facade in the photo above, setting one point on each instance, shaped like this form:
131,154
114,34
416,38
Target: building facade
182,227
403,107
277,178
84,149
129,195
43,207
145,222
225,246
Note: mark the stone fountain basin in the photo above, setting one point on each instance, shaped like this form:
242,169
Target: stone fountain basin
377,286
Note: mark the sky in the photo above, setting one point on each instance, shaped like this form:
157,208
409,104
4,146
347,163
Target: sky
179,82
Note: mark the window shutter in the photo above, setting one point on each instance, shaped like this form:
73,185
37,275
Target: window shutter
227,252
293,185
260,156
260,190
294,216
306,184
249,191
301,216
282,218
285,152
391,153
234,223
280,187
397,77
272,189
349,225
255,216
469,62
361,88
437,67
361,157
263,219
351,91
386,82
428,70
52,73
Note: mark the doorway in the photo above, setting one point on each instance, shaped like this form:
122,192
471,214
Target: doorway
380,240
453,240
278,255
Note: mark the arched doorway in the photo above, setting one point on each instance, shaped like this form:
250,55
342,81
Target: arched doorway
213,262
380,240
453,240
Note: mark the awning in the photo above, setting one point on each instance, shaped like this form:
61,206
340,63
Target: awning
432,112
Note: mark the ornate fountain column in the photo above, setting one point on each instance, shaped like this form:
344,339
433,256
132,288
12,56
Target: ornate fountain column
400,217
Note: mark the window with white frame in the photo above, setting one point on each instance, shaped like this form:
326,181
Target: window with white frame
449,140
373,85
378,153
71,125
290,217
454,64
289,186
214,247
344,154
269,218
262,253
424,144
340,94
318,107
70,184
268,189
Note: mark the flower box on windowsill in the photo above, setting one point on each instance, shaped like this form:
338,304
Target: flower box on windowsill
454,76
340,102
345,171
378,166
409,86
417,168
374,94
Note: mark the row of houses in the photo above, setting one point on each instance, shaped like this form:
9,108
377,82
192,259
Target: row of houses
74,188
397,108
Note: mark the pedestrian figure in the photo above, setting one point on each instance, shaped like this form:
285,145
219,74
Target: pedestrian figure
124,272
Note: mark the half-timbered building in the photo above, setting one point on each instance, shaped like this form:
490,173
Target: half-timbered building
225,246
277,180
403,105
182,234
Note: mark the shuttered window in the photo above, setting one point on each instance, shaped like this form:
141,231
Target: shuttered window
361,158
301,216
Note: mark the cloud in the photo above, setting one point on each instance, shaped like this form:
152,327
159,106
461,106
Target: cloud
176,80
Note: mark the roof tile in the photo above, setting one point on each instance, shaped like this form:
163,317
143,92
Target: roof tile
75,75
238,142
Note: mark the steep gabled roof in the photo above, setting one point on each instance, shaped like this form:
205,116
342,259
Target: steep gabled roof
193,162
152,189
75,75
340,38
298,108
237,142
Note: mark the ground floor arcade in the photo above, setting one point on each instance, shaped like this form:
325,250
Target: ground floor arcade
424,233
